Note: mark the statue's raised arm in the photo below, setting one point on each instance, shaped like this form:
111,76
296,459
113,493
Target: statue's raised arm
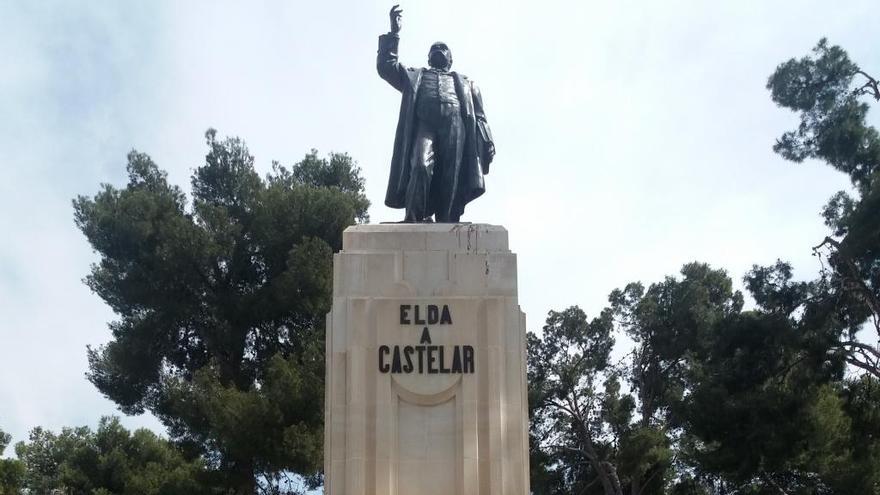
387,64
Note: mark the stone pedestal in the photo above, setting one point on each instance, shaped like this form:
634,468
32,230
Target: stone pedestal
426,383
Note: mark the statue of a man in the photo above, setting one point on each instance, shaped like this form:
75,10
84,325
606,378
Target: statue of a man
443,145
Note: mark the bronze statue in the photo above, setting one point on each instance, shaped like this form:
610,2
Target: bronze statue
443,145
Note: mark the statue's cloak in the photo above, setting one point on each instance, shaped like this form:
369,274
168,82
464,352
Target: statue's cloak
478,149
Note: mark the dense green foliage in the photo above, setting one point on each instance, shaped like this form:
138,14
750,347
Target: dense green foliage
627,432
564,398
12,471
78,461
221,303
783,398
830,93
712,399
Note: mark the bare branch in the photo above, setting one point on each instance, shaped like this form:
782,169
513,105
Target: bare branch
853,283
871,87
827,240
873,370
861,346
562,407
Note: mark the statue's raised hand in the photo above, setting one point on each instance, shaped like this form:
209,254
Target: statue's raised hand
395,15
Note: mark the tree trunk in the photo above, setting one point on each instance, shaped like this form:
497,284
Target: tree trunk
611,472
606,471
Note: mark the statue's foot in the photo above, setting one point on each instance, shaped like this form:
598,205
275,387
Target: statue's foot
412,220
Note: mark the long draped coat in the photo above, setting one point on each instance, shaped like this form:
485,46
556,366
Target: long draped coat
478,149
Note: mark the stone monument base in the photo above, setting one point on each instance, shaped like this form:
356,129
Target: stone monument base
426,383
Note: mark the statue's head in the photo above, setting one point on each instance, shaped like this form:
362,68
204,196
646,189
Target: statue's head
440,56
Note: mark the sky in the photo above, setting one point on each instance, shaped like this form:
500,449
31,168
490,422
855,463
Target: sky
632,137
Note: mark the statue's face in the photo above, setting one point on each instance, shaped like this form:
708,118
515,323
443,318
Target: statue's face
439,56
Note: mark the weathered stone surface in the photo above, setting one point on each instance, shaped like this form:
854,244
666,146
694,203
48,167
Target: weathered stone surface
395,425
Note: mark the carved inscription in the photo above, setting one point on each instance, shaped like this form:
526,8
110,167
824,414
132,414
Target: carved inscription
425,358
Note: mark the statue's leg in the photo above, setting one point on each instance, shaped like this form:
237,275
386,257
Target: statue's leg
422,165
449,146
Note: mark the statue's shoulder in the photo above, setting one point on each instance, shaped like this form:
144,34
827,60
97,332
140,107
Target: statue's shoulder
464,79
413,75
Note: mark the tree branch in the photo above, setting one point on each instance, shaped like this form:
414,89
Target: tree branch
871,87
588,485
773,482
867,367
861,346
562,407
